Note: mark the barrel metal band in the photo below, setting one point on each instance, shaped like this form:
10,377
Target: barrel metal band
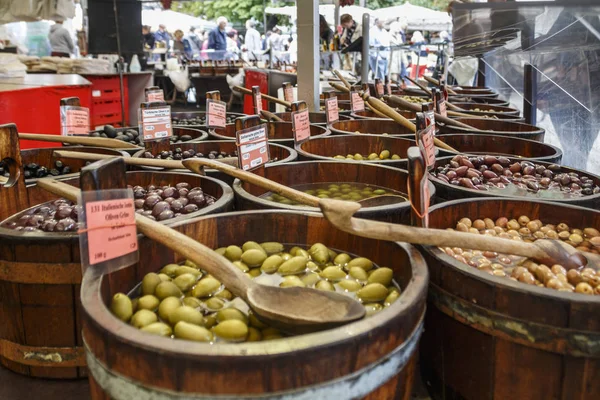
40,273
531,334
356,385
42,356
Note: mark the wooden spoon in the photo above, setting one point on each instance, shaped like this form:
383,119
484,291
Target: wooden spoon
454,110
264,96
437,83
545,251
270,116
407,105
294,310
83,140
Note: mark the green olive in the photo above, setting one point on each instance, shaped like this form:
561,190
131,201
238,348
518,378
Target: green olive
231,313
319,253
293,266
187,314
361,262
342,259
241,266
381,275
254,272
206,287
187,270
150,282
215,303
271,264
372,292
325,285
134,305
312,266
254,257
286,256
358,273
372,308
270,334
221,251
187,331
391,297
233,253
191,264
254,335
333,274
167,289
143,318
165,277
158,328
233,330
373,156
396,157
384,154
224,294
210,321
185,282
292,281
167,306
169,269
255,322
310,279
148,302
349,285
252,245
121,307
191,302
379,192
272,247
294,249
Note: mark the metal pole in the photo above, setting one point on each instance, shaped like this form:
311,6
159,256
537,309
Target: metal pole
530,96
264,17
120,61
481,72
364,76
308,64
418,62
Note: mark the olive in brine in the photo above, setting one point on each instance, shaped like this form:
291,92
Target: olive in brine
254,257
150,282
206,287
233,330
293,266
121,307
187,331
158,328
167,306
167,289
319,253
372,292
148,302
271,264
187,314
381,275
143,318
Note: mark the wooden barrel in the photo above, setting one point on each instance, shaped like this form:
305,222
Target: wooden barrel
474,94
46,158
495,127
502,145
479,100
452,192
487,109
40,275
176,117
278,153
247,196
317,118
279,132
343,105
381,126
486,89
368,114
326,148
489,337
341,96
374,355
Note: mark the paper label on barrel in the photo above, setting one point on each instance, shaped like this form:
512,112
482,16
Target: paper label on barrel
156,123
388,87
258,103
379,88
427,145
288,94
216,113
442,108
155,95
425,194
332,110
357,104
253,147
74,120
301,126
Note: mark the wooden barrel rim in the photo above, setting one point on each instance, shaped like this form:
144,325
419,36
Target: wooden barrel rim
240,191
535,129
101,316
487,195
357,384
287,114
325,132
203,136
365,123
40,273
42,356
493,108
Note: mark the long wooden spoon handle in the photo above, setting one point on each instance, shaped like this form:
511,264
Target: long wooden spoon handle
423,88
437,83
84,140
196,164
265,96
341,77
213,263
270,116
339,213
459,114
339,87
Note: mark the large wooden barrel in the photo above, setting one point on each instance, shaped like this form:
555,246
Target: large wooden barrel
341,96
478,100
386,127
302,173
495,127
343,105
46,158
40,276
278,153
368,114
279,132
503,145
326,148
317,118
487,109
197,119
489,337
372,358
448,191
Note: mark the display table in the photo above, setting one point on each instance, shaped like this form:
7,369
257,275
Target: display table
32,102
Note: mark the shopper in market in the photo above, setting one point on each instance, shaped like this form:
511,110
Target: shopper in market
162,36
379,53
217,39
194,42
60,41
352,32
399,61
252,40
148,38
182,46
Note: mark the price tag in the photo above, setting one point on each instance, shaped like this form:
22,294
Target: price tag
108,240
301,125
441,105
379,88
332,110
388,87
74,120
216,113
357,103
155,95
258,103
288,94
253,147
427,145
156,122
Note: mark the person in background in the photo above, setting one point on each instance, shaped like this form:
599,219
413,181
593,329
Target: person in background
275,40
148,38
379,53
352,32
325,32
60,41
217,39
194,41
161,35
232,44
252,40
181,45
399,59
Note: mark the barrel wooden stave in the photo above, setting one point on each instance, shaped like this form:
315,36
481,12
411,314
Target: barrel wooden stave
465,359
231,369
491,108
368,114
196,114
496,127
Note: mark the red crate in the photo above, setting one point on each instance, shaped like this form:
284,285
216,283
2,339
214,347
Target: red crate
106,96
106,107
101,120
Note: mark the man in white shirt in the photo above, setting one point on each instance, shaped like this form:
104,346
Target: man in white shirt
379,41
252,40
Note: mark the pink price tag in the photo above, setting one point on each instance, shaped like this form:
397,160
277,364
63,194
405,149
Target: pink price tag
155,95
288,94
258,103
379,88
358,104
111,229
77,121
442,108
216,113
427,145
332,110
156,123
253,147
301,122
388,87
425,198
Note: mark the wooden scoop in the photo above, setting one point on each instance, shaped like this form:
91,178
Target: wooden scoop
407,105
294,310
454,110
270,116
264,96
83,140
437,83
545,251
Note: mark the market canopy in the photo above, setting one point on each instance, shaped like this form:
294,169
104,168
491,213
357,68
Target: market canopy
416,17
327,10
174,20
